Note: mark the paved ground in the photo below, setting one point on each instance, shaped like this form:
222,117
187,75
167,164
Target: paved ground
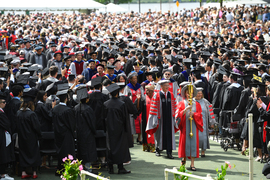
147,166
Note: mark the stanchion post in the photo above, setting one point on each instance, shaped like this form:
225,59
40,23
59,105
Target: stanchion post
166,174
250,139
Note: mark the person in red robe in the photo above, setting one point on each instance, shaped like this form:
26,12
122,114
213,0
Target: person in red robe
189,146
161,121
148,140
132,90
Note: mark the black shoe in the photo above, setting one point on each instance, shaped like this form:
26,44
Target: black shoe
192,168
170,156
203,155
139,142
157,153
123,171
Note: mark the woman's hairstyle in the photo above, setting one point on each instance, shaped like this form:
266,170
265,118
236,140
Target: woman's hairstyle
40,95
27,104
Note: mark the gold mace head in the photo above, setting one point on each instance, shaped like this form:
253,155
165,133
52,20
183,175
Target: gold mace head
191,134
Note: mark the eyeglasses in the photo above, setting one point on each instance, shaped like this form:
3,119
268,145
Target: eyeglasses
167,74
4,102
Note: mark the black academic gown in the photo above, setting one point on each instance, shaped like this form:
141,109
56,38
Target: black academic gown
45,117
141,78
86,130
32,81
142,110
231,97
96,102
200,84
11,111
182,77
129,65
28,134
117,129
222,92
131,108
215,101
64,124
6,153
257,132
243,101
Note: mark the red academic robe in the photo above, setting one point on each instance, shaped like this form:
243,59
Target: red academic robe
197,118
150,137
264,125
138,119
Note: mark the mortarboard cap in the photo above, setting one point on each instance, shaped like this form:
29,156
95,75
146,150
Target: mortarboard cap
188,61
100,65
113,87
45,72
63,86
96,81
3,72
38,48
110,67
30,95
23,69
82,93
62,93
121,84
49,87
23,79
115,62
27,64
234,74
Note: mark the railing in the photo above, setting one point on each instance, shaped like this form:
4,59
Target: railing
84,173
250,132
174,171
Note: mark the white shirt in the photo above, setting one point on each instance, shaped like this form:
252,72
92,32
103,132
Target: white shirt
208,74
64,104
164,93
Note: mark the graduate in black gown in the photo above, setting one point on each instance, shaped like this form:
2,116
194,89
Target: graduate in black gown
96,102
232,93
131,108
258,126
231,96
196,76
64,124
44,113
240,110
6,148
86,129
117,128
28,134
183,76
14,105
217,89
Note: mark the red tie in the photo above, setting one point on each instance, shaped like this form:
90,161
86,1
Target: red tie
208,75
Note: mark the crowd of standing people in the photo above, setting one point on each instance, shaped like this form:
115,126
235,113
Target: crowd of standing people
94,81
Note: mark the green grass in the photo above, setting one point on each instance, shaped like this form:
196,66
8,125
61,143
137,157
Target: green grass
146,166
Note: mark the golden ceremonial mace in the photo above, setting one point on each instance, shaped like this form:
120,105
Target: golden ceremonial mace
190,93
